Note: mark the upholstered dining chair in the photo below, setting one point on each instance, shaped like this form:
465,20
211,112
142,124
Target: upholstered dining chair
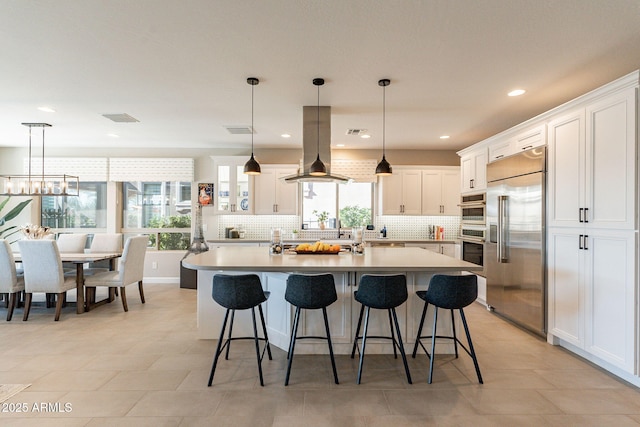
43,272
71,243
10,283
104,243
130,270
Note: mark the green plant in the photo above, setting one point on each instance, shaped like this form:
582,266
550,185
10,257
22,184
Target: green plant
322,216
355,216
171,240
14,212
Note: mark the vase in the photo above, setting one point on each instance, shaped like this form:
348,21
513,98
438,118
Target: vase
321,225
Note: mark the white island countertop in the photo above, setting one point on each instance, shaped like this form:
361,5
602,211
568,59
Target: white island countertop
374,259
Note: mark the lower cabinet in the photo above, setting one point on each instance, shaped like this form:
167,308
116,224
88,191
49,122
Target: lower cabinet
591,292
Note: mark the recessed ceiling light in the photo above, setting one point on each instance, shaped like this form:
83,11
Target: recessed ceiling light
516,92
285,135
444,137
365,136
47,109
113,135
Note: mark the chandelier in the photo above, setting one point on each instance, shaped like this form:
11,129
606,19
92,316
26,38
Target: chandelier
38,184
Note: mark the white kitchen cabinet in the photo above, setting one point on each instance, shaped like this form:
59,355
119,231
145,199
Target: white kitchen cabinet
501,149
272,195
474,171
592,292
591,164
401,193
448,249
441,191
525,140
233,189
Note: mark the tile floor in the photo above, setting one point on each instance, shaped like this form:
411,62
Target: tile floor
147,368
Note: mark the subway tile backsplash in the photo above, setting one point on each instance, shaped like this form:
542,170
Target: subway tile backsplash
398,227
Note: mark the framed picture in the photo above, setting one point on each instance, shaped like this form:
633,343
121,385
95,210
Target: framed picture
205,194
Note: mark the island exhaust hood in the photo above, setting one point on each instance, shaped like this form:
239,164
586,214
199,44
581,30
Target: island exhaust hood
311,147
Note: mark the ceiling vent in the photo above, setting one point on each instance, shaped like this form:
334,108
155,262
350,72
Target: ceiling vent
121,118
356,131
240,130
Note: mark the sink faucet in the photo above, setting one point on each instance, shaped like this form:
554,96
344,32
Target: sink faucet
341,233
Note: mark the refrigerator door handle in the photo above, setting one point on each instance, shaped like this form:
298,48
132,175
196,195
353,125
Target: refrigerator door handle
502,217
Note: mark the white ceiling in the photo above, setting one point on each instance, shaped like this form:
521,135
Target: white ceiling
180,67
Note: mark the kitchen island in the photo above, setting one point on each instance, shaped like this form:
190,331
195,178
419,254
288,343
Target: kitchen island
418,264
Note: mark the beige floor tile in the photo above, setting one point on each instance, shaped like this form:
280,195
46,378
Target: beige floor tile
602,401
72,380
590,420
345,403
258,403
321,421
229,421
177,404
146,380
428,402
515,402
579,379
135,422
51,422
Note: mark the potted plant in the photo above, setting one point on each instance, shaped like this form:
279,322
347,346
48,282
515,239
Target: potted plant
5,232
322,218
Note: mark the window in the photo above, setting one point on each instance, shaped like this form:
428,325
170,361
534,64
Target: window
351,204
160,209
87,210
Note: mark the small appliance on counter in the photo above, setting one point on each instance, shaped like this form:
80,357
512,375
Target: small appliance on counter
383,231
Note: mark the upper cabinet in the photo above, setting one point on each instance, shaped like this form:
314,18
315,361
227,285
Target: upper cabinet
400,193
474,171
441,191
530,138
272,194
591,164
233,189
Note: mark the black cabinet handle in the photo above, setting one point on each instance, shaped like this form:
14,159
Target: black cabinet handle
527,147
586,214
580,214
586,236
580,245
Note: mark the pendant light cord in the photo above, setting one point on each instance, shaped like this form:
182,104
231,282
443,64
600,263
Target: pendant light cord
318,123
252,131
384,118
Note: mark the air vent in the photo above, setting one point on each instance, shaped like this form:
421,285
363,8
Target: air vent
356,131
121,118
240,130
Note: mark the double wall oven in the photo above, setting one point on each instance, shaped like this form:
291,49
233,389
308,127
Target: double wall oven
473,209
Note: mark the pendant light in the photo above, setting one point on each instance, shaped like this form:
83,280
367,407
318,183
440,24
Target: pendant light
383,168
252,167
318,168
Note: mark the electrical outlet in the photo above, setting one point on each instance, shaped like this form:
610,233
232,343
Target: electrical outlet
154,265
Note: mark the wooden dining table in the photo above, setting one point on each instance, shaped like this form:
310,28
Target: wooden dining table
79,259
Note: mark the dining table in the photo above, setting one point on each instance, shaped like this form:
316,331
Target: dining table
79,259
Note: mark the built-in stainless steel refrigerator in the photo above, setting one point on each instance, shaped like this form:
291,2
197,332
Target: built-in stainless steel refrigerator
515,248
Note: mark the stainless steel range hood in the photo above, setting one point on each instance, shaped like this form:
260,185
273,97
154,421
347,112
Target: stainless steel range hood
311,132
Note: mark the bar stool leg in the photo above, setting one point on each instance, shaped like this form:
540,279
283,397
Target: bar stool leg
218,348
473,353
292,344
424,313
333,361
264,331
393,338
401,346
233,316
433,342
355,341
364,343
257,341
455,337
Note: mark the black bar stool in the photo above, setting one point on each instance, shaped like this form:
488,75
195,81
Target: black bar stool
386,293
310,292
452,293
240,292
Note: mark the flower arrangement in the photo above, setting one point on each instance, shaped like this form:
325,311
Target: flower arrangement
322,218
32,231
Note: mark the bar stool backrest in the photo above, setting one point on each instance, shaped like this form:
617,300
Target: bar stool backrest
452,292
382,291
311,291
237,292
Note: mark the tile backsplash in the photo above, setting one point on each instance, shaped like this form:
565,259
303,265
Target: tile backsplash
398,227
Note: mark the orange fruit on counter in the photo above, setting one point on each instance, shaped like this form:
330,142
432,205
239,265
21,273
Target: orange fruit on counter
335,248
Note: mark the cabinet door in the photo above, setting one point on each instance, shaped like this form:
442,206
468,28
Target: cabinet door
501,149
391,194
610,157
450,192
535,137
448,249
565,285
432,192
480,171
610,296
412,192
467,168
233,192
286,195
265,191
565,169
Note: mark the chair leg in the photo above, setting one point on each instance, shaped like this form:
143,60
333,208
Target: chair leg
471,350
264,331
393,338
257,341
433,342
355,340
27,305
333,360
455,337
124,299
364,343
233,316
218,347
5,297
141,291
292,345
401,346
424,313
11,301
59,302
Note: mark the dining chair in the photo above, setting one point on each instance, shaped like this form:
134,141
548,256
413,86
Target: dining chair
10,283
72,243
130,270
43,272
103,243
